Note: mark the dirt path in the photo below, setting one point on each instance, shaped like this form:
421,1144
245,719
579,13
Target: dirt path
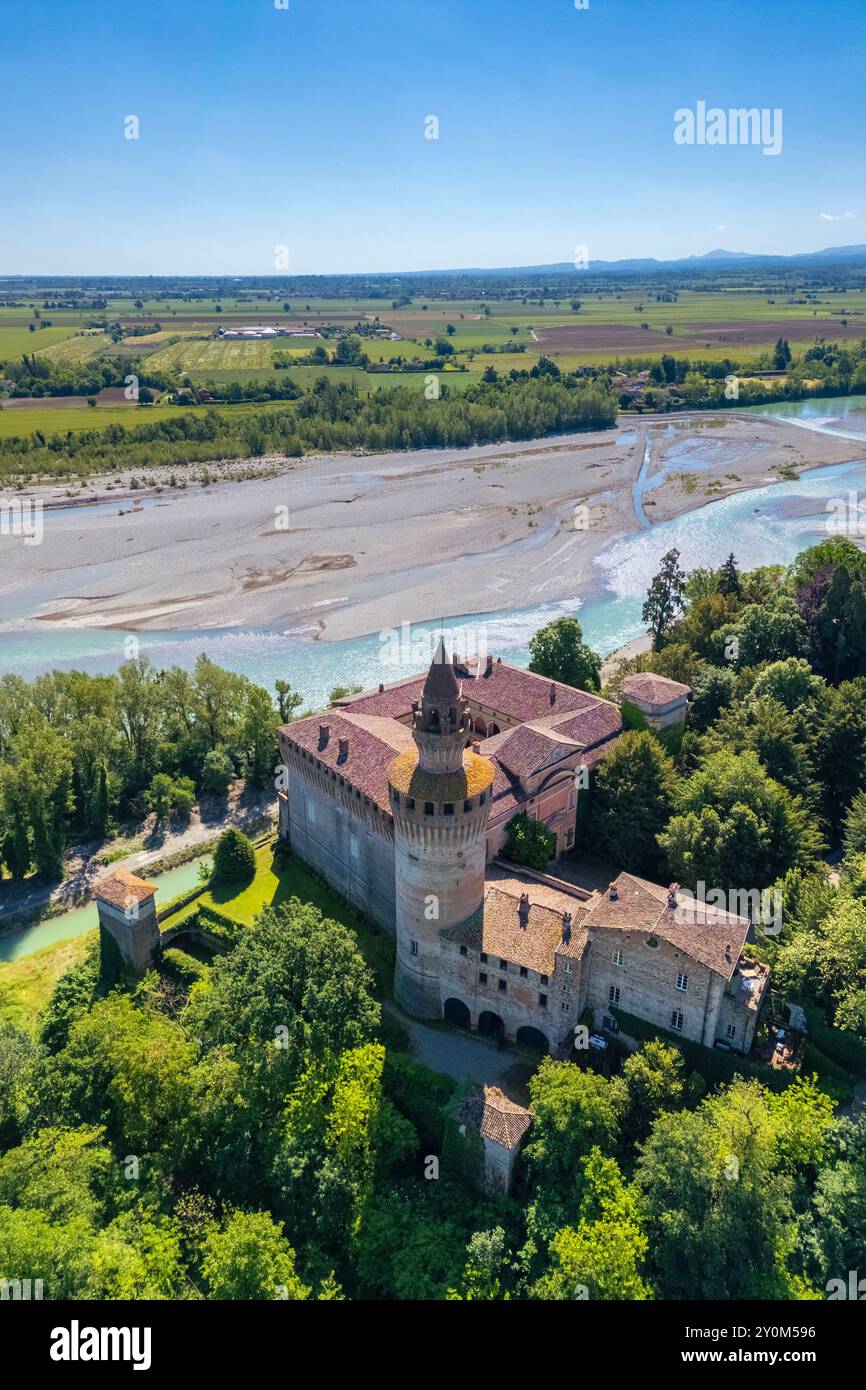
153,845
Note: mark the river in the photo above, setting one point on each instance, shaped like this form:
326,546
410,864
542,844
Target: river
762,525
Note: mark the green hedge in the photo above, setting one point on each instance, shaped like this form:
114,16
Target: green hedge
182,900
708,1062
842,1047
183,967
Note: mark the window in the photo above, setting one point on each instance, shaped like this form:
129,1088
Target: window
542,1001
568,967
523,972
731,1031
617,957
569,839
410,801
566,989
609,1025
467,805
413,947
353,846
565,1008
483,957
429,808
677,1020
482,977
682,981
463,951
543,979
449,808
311,812
503,965
503,985
613,994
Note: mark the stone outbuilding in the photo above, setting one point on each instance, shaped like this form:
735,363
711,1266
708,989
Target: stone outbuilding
127,912
660,701
502,1125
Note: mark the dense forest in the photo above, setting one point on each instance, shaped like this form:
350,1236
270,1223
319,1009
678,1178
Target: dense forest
329,417
77,752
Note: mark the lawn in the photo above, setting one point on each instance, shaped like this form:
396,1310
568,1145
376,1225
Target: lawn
279,877
26,984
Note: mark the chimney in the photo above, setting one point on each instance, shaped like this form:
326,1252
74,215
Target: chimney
612,893
323,735
381,687
343,750
553,692
455,660
488,670
566,927
523,910
499,661
672,895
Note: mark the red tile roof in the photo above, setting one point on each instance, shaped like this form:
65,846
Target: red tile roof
372,743
510,691
494,1116
496,926
123,888
656,690
708,934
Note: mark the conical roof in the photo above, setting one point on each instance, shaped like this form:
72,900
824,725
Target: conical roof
441,684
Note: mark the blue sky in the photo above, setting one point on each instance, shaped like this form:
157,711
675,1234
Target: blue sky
263,127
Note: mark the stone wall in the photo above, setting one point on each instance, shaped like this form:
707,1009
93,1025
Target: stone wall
344,836
647,981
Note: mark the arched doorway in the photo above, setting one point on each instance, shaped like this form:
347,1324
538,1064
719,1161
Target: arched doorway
490,1025
532,1038
455,1011
480,726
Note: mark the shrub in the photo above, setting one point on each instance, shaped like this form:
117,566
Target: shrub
182,967
529,842
234,859
217,772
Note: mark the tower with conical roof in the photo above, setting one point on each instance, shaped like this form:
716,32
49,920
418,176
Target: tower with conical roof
440,797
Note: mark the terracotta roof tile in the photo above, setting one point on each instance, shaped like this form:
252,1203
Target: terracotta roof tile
656,690
122,888
494,1116
496,926
372,743
708,934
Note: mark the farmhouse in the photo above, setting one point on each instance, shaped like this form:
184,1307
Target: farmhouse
400,798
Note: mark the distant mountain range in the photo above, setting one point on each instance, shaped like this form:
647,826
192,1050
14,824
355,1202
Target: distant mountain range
731,259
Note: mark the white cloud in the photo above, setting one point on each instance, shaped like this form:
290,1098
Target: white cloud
837,216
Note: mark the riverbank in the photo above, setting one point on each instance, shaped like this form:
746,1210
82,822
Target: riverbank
152,851
340,546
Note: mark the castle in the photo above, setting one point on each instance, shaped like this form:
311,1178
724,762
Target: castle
400,798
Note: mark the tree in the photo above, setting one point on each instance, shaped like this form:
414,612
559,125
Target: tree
295,989
600,1257
729,578
529,842
707,1176
855,827
251,1259
735,827
234,858
559,652
664,598
217,772
632,801
288,701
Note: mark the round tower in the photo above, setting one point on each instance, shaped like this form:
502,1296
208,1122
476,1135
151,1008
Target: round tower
440,798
